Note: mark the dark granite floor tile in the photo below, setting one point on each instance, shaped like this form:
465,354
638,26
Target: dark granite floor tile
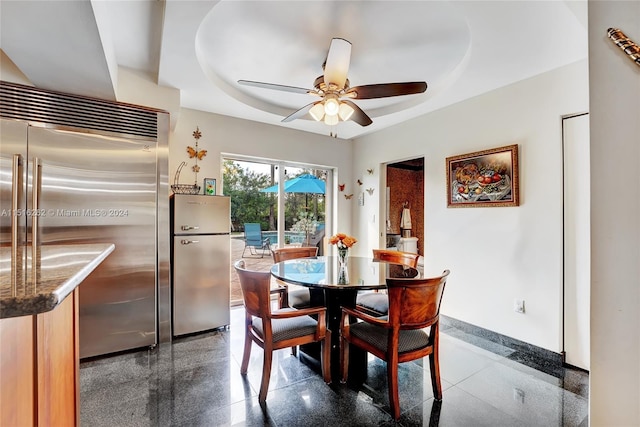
572,380
196,381
459,361
526,397
576,381
457,408
313,403
244,414
128,404
286,369
110,371
414,384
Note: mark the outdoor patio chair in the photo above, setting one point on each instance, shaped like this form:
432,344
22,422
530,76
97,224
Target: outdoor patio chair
254,241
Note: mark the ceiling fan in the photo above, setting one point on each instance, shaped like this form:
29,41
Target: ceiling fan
333,87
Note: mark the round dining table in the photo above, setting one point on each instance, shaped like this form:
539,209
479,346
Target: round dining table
334,286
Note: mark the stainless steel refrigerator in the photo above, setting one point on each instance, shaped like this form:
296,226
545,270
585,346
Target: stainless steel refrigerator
201,262
89,171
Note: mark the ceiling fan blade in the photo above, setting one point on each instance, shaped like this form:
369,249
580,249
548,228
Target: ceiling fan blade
274,86
385,90
337,64
299,113
358,116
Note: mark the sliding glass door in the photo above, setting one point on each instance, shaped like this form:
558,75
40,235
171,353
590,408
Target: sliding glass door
289,202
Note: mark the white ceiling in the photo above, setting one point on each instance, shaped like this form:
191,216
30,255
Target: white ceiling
460,48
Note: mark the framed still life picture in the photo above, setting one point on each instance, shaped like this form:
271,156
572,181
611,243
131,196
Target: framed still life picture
484,178
210,186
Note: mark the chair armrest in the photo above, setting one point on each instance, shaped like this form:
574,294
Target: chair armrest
278,290
364,317
287,313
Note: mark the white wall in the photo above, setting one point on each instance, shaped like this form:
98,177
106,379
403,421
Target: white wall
614,87
494,254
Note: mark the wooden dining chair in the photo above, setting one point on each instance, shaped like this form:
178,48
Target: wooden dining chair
296,298
277,329
377,303
414,305
397,257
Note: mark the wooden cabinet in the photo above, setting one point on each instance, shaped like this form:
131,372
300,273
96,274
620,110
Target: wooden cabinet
17,371
39,368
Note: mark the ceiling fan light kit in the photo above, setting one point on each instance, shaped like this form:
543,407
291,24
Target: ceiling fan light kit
317,111
331,104
333,85
330,120
345,112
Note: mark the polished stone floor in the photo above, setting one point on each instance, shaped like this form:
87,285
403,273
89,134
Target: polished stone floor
196,381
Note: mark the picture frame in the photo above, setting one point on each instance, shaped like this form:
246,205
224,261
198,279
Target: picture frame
487,178
209,186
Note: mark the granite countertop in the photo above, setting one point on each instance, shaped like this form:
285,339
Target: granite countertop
59,270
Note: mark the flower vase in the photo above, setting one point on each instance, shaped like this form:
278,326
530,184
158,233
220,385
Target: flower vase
342,255
342,275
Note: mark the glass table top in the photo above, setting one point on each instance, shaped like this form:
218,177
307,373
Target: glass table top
326,272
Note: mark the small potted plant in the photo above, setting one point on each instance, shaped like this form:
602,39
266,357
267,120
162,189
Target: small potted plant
306,224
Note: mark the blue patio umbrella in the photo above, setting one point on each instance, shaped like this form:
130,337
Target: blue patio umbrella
303,184
307,183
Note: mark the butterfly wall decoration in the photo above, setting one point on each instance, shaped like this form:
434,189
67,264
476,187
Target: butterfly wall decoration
341,187
193,152
348,196
370,191
359,182
370,171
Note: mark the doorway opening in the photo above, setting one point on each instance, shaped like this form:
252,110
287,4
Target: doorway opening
404,225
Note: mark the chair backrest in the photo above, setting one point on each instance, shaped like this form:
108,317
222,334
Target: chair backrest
253,233
283,254
415,303
397,257
255,290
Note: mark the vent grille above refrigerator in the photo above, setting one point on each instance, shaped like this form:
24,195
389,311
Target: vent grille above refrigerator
40,106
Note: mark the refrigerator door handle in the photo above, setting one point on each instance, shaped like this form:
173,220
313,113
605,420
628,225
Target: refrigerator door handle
189,227
16,195
35,215
188,242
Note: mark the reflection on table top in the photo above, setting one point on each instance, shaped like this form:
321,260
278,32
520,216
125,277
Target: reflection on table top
325,272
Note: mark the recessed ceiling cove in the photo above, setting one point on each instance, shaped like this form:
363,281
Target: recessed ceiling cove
286,43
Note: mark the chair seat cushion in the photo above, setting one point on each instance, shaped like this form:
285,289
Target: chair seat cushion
299,298
409,340
284,329
375,301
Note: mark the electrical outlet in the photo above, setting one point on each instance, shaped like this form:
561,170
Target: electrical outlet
518,395
518,305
